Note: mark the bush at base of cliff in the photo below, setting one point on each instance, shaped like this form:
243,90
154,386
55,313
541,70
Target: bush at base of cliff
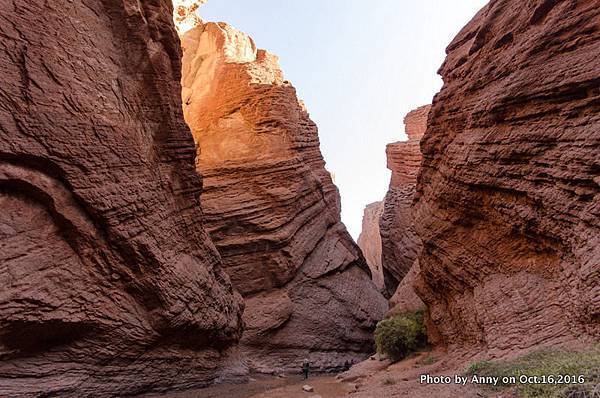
400,335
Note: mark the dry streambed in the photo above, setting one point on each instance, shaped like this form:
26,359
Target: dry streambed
370,378
272,387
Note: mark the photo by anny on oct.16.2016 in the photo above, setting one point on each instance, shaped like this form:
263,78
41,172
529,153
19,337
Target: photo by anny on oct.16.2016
300,199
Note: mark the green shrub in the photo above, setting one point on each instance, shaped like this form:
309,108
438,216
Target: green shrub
399,336
428,360
481,367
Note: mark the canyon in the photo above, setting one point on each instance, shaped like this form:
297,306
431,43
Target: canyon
168,223
272,210
123,266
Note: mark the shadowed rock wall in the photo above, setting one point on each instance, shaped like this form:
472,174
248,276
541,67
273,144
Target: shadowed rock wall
508,199
110,285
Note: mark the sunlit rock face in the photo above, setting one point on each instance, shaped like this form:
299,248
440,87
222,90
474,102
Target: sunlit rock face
400,243
185,14
109,284
272,209
508,199
369,241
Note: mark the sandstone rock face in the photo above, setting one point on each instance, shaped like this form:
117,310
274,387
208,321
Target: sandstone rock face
369,241
415,125
110,285
400,243
272,209
508,200
405,299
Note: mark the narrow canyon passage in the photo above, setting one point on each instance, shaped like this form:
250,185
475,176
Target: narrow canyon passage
168,226
272,209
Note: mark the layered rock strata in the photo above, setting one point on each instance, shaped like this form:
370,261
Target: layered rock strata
369,242
110,285
272,209
508,199
399,241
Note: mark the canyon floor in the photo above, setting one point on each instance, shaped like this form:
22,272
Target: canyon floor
367,379
380,378
270,387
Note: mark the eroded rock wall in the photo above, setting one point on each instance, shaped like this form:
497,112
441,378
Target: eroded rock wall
109,283
400,243
405,298
369,242
508,200
272,209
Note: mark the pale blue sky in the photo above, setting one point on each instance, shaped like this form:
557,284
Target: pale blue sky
359,66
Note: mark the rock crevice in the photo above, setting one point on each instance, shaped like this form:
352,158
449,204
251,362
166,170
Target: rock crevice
399,240
369,242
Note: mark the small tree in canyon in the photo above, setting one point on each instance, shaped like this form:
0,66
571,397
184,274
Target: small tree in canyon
400,335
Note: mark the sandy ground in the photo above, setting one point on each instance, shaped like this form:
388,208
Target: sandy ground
402,379
372,378
270,387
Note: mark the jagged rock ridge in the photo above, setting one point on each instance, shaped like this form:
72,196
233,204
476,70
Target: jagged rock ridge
369,242
400,243
272,209
110,285
508,199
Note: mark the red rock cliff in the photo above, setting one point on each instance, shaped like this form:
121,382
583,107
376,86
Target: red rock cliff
272,208
508,200
110,285
400,243
369,241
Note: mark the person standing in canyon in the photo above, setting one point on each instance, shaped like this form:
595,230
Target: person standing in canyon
347,365
305,368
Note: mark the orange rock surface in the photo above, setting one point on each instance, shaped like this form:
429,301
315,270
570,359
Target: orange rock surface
272,209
